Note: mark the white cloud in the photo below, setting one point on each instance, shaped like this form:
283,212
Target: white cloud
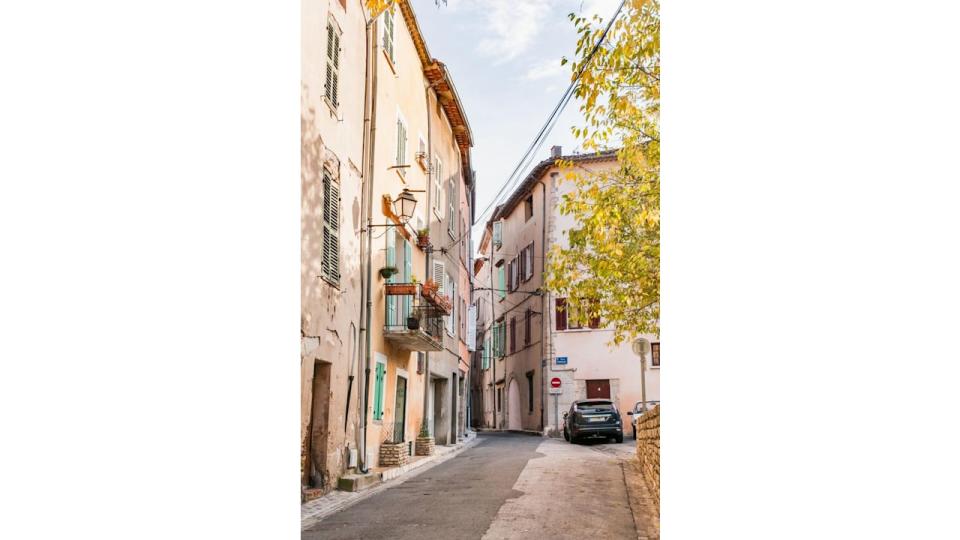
511,26
547,69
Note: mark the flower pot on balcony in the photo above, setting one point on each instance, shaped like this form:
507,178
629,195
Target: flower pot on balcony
423,238
429,288
413,323
401,288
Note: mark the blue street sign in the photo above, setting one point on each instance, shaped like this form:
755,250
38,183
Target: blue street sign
561,360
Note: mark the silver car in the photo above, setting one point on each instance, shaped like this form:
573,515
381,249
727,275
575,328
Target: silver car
638,411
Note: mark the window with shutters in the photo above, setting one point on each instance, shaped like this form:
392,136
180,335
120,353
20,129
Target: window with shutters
655,355
528,208
331,88
527,326
513,335
330,258
388,23
437,187
452,318
401,157
451,207
497,234
527,262
594,314
486,353
561,313
501,285
380,376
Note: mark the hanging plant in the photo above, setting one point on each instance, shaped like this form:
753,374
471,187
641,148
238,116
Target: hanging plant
387,271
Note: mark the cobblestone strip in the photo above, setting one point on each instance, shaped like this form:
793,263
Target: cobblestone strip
313,512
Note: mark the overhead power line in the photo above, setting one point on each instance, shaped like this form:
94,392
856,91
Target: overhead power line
538,141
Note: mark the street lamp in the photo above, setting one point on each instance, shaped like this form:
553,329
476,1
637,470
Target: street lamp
640,348
404,206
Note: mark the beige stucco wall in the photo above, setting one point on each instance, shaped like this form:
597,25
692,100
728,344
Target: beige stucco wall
332,138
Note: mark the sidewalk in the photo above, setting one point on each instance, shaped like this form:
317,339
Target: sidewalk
314,511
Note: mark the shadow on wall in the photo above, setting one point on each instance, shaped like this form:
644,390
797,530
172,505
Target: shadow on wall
318,297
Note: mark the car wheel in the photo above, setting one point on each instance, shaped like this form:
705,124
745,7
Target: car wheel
619,438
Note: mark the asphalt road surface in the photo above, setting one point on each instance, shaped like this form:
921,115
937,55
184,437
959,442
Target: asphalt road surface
507,486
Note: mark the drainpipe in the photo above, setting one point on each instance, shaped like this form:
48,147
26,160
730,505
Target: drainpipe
370,106
429,251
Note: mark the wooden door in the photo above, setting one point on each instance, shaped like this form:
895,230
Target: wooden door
598,389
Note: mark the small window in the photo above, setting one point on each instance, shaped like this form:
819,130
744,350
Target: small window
655,355
513,335
497,234
437,186
528,208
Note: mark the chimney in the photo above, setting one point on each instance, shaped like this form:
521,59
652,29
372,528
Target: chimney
556,151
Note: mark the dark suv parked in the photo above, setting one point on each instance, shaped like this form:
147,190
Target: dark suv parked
592,418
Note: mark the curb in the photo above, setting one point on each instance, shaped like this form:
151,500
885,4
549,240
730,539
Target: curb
389,479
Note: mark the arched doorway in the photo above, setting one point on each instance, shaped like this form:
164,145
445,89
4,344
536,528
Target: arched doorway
513,404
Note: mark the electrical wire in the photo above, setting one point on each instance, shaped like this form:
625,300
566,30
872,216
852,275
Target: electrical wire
550,123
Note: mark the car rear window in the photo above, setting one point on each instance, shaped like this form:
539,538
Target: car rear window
601,406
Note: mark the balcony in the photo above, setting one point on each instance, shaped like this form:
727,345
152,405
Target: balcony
414,321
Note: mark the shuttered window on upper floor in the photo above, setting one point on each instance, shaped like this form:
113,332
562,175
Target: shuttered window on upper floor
332,84
330,257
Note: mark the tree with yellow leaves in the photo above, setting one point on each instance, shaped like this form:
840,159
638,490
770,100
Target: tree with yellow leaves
611,268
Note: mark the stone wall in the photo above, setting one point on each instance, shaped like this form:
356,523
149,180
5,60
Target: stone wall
648,450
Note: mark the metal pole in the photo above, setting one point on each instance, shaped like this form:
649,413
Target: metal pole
643,381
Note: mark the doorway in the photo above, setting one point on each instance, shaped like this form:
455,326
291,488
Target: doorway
400,411
315,471
513,404
598,389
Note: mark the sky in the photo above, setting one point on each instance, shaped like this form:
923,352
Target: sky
504,57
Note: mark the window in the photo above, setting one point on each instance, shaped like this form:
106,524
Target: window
451,207
485,359
501,285
595,309
561,313
510,275
515,277
566,315
513,335
388,33
527,326
498,233
530,391
654,355
440,276
528,208
333,64
401,159
499,398
499,339
330,259
526,262
437,186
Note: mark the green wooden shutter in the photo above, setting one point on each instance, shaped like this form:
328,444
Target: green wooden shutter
378,393
392,301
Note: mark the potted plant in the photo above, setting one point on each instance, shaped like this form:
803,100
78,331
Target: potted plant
413,322
401,289
388,271
423,237
425,442
429,288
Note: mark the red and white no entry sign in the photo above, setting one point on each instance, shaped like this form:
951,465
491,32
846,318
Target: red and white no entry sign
555,382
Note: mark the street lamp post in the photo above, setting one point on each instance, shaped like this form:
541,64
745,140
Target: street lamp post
641,347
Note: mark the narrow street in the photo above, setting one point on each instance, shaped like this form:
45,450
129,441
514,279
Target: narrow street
507,486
